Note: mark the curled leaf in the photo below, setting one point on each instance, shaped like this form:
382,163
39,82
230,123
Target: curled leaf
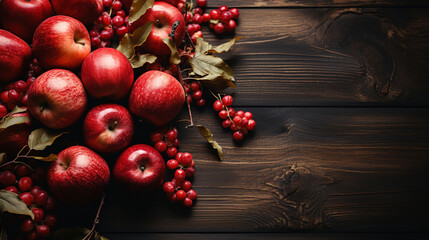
138,8
174,58
13,120
140,60
52,157
2,157
99,237
202,46
73,233
225,46
129,42
207,134
41,138
17,110
10,202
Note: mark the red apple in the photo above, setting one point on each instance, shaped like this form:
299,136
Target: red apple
140,168
14,54
108,128
157,97
163,16
57,98
61,42
79,176
22,17
107,73
15,137
85,11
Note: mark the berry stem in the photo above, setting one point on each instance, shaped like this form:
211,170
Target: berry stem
18,156
186,32
96,219
187,102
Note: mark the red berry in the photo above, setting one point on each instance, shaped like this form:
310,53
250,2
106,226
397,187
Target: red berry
219,28
197,28
35,190
231,112
21,86
4,97
225,17
179,175
168,187
188,16
171,135
251,125
230,26
12,189
25,184
50,204
14,95
41,197
107,3
244,122
176,143
7,178
105,35
195,86
190,29
227,100
197,95
122,30
186,186
171,152
186,159
39,214
226,123
106,20
43,231
206,17
24,100
172,164
32,235
223,114
178,156
187,202
198,10
27,225
27,198
240,114
180,195
248,115
156,136
223,8
244,130
121,13
117,5
238,136
3,110
234,12
161,146
50,220
30,80
217,105
22,170
201,102
237,120
197,19
191,194
117,21
189,99
201,3
190,171
215,14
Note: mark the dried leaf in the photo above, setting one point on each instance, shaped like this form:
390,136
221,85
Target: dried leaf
73,233
41,138
3,235
2,157
174,57
202,46
125,46
213,21
99,237
224,47
139,61
52,157
216,83
10,202
17,110
207,134
129,42
138,8
12,121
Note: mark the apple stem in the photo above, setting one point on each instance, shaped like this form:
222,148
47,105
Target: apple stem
186,98
96,219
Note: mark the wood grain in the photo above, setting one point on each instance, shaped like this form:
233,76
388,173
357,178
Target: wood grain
304,169
331,57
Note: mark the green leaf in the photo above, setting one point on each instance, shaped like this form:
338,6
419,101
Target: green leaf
52,157
225,47
207,134
139,61
99,237
174,57
73,233
41,138
138,8
10,202
129,42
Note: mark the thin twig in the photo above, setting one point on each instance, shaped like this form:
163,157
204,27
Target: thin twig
96,219
186,98
17,157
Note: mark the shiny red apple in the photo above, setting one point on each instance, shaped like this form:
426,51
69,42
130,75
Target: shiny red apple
61,42
108,128
140,168
107,73
85,11
79,176
22,17
157,97
163,16
14,54
57,98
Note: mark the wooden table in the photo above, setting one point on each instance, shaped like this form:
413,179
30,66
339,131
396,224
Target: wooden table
339,90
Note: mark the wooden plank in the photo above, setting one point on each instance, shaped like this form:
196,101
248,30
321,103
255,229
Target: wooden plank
316,3
311,169
331,57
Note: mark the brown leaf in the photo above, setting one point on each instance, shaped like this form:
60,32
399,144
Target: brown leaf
99,237
10,202
207,134
224,47
139,61
174,57
3,235
129,42
2,157
11,121
216,83
138,8
73,233
52,157
202,46
41,138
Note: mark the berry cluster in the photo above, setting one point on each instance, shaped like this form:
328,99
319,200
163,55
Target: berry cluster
239,122
178,189
194,93
21,179
107,24
223,19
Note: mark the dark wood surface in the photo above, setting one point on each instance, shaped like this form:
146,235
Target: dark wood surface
341,149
